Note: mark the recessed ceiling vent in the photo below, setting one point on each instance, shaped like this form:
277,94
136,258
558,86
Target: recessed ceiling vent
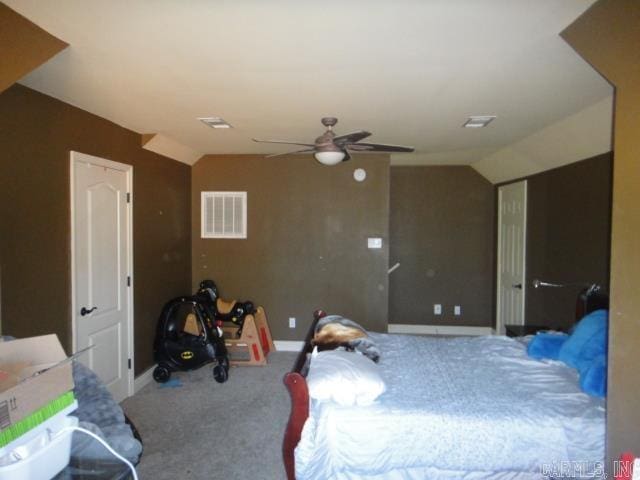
478,121
215,122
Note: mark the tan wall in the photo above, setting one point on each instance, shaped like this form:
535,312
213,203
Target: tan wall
441,228
23,46
307,231
36,134
608,36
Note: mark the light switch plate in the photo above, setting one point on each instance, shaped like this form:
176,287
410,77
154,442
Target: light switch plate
374,242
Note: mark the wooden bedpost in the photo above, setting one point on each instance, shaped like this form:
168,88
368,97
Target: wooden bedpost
297,387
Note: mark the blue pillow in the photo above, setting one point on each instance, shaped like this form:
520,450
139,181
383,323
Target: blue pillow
588,341
546,345
594,379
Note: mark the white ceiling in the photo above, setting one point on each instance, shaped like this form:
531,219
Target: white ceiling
409,71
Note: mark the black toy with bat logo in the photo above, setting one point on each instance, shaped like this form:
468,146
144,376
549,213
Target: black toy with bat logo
189,336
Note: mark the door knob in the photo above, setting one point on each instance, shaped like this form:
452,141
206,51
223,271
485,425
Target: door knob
84,311
517,285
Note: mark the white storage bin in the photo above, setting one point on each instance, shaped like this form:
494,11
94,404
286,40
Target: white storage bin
43,450
52,423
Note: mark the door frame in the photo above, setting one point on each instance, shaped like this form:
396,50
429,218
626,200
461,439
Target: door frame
79,157
499,326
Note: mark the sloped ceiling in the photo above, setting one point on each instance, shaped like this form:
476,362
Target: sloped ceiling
23,46
411,72
582,135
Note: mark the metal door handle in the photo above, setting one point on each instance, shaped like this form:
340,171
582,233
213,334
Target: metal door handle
517,285
84,311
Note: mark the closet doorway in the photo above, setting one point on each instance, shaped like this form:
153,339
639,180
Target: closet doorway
511,254
101,252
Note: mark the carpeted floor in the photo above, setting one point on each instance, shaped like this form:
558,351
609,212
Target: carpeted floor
206,430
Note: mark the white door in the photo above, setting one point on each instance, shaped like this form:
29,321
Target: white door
512,226
102,259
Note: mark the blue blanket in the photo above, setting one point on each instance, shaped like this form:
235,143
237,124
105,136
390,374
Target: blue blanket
585,350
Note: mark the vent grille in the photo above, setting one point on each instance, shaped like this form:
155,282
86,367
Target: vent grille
215,122
479,121
224,214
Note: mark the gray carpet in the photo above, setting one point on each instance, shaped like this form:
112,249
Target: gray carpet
208,430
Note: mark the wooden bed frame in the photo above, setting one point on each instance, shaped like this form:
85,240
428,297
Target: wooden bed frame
297,384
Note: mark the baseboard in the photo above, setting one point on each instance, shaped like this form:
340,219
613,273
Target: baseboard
439,329
288,345
143,380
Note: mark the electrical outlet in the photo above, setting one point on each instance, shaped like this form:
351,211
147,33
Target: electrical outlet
292,322
437,309
457,310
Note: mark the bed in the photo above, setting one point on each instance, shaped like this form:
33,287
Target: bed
462,407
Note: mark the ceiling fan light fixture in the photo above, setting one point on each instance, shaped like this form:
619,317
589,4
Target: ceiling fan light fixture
331,149
330,157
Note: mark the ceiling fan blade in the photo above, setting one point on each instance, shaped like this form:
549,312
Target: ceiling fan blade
377,147
306,150
346,156
352,137
284,142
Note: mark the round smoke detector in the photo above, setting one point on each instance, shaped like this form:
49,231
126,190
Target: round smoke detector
359,174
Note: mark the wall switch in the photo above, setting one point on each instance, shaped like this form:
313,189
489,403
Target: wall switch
457,310
292,322
374,242
437,309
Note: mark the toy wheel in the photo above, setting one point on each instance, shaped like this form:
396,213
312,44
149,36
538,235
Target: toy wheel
220,374
161,374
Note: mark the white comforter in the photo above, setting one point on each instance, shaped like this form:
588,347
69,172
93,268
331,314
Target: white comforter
458,408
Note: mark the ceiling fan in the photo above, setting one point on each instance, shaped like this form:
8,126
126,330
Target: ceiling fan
330,149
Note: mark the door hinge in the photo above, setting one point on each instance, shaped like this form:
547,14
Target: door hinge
128,280
129,362
128,197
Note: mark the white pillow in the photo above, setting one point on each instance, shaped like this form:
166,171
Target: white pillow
347,378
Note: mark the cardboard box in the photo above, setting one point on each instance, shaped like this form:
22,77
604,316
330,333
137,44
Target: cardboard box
21,393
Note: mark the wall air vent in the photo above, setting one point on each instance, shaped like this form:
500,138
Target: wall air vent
224,215
478,121
215,122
